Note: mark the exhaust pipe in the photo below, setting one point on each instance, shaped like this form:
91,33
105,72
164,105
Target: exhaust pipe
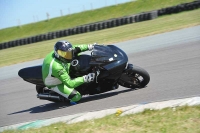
47,96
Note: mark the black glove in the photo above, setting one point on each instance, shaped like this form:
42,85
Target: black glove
77,50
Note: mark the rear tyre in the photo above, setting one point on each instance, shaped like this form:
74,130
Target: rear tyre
134,77
39,89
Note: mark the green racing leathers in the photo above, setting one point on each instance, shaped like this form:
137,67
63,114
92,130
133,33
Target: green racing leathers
55,74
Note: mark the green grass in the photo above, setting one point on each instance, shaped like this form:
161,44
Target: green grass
162,24
86,17
182,120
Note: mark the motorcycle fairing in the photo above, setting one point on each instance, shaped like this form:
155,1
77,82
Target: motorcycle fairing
108,57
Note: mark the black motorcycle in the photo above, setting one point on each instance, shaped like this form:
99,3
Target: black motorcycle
110,64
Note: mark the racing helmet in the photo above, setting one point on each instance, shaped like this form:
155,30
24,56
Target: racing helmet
63,51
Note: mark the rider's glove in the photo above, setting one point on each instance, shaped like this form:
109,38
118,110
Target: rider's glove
91,46
89,78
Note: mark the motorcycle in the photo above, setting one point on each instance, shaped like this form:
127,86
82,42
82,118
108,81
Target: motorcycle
109,62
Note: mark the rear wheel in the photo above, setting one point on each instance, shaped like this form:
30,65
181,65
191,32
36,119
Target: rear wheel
134,77
40,89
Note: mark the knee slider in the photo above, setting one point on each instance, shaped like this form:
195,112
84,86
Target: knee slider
74,96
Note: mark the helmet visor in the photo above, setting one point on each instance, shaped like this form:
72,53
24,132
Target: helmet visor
66,54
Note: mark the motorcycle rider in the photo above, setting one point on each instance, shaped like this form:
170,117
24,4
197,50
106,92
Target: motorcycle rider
55,70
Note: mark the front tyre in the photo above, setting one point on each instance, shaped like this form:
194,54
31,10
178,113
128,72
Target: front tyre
134,77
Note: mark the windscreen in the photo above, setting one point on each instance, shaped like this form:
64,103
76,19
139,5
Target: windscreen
102,53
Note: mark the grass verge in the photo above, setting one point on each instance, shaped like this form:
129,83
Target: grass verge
180,120
85,17
162,24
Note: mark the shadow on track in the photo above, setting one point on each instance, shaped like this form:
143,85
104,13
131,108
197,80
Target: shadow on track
54,106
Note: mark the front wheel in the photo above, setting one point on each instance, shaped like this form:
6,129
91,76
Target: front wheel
134,77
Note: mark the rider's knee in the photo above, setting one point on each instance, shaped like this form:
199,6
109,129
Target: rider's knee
75,96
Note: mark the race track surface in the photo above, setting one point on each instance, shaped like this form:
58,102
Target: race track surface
172,60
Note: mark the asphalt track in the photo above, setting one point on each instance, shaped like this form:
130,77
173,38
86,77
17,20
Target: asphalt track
172,60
